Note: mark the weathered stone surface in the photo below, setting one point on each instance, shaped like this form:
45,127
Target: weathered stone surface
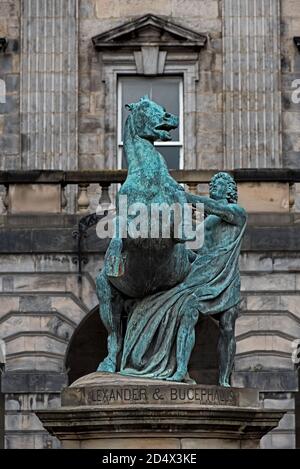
34,198
31,382
9,66
276,281
264,197
268,323
287,422
129,443
279,441
272,239
255,360
8,304
113,389
35,303
266,380
10,143
46,240
69,308
24,429
209,443
251,73
36,344
284,401
35,282
290,16
49,109
231,423
38,362
267,342
195,8
14,422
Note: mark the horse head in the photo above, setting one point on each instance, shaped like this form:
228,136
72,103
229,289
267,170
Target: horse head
150,121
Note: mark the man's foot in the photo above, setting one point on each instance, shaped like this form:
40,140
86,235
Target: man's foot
224,384
177,376
189,380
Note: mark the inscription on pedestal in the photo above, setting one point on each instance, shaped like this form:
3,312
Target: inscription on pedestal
166,395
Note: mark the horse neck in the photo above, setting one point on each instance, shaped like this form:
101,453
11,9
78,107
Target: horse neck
138,150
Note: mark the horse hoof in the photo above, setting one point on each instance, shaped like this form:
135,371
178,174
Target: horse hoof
114,267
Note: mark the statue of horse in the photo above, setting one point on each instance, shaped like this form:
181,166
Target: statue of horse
138,267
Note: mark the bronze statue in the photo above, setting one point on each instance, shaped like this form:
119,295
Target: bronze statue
163,284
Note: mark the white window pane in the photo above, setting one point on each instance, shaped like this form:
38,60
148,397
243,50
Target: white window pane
165,91
133,88
170,154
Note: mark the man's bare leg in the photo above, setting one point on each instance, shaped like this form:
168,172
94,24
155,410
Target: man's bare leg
110,308
226,344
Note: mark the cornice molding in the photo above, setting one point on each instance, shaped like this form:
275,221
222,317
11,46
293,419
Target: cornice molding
162,33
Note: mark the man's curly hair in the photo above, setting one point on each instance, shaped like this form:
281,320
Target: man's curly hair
232,195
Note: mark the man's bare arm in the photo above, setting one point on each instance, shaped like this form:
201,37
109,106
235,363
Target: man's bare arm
231,213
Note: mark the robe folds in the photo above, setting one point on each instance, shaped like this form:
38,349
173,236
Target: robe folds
211,287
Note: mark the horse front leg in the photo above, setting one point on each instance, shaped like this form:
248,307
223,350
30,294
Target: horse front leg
182,227
110,309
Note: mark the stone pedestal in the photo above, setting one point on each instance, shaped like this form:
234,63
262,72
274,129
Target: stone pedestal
104,410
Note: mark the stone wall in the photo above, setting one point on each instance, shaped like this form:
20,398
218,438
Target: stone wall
43,303
233,115
49,84
10,73
238,124
97,16
251,83
290,63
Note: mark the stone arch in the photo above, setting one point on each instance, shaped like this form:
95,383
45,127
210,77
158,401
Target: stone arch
87,348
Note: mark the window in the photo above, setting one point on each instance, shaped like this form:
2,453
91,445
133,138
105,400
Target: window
166,91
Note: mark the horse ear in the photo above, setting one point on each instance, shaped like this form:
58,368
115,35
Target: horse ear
130,107
145,98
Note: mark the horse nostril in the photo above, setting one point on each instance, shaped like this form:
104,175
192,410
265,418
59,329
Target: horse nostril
167,115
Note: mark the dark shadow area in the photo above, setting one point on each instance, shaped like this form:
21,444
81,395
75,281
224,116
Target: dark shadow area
203,367
87,347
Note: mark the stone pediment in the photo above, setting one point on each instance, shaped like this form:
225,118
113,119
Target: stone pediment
149,31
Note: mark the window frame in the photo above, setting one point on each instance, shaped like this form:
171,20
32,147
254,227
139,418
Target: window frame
113,65
178,143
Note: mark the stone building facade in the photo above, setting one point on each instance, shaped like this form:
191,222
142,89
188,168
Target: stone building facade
61,71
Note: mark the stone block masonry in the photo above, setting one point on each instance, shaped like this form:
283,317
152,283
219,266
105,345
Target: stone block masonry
9,74
49,84
251,85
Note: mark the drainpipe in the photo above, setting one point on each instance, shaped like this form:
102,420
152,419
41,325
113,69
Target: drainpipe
297,412
2,401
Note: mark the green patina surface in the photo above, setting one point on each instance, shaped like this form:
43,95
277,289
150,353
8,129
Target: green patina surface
160,283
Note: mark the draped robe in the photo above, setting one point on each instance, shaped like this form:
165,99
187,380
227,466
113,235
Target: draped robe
211,287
